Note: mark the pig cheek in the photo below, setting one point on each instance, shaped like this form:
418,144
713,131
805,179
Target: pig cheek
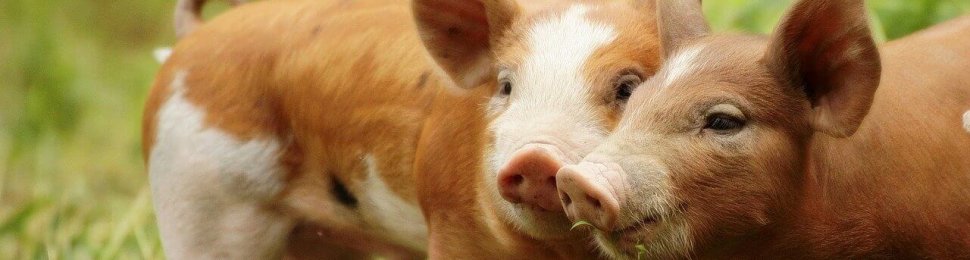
496,105
716,191
503,140
650,189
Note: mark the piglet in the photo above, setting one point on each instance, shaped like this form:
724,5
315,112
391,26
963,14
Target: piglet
803,144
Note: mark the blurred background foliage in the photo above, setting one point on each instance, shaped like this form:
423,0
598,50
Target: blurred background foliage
74,75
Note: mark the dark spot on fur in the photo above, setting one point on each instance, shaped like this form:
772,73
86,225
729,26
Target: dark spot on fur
453,31
422,80
316,30
342,194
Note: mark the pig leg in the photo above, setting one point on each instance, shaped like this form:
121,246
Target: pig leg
197,222
212,190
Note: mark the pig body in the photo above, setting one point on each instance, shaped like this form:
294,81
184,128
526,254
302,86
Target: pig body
335,129
807,144
256,127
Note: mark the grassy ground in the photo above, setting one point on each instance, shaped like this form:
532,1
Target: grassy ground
73,77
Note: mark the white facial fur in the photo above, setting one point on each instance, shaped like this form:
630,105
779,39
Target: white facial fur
401,220
679,65
208,187
551,100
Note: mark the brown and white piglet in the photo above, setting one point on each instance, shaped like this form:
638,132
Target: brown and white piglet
345,129
804,144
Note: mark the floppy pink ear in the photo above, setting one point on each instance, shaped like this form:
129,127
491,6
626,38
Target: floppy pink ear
459,34
825,48
680,21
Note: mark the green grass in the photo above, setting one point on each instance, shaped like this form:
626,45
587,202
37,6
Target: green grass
580,223
74,75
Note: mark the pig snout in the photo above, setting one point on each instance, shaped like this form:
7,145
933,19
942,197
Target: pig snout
529,177
588,192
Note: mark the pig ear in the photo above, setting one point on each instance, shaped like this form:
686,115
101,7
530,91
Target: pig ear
825,48
680,21
459,34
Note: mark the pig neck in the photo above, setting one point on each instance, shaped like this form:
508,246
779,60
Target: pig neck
849,203
891,188
813,219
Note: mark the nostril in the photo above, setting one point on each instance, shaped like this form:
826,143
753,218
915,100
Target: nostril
565,199
515,180
510,187
593,201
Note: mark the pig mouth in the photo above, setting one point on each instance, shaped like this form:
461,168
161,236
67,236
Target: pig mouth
627,239
624,241
641,225
650,221
537,209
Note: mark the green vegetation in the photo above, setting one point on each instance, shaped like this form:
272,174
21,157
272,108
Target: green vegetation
580,223
74,75
641,250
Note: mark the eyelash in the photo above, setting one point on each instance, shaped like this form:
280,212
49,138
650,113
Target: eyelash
625,85
723,123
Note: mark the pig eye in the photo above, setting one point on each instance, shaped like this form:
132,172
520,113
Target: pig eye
504,81
625,86
723,123
505,87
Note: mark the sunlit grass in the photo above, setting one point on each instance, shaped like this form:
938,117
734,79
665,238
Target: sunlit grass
73,77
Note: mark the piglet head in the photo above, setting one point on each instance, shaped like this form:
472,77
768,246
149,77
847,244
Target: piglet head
714,147
560,76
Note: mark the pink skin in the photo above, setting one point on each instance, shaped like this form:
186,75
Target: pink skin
592,192
529,177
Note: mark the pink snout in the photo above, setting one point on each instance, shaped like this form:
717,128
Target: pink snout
591,192
529,177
